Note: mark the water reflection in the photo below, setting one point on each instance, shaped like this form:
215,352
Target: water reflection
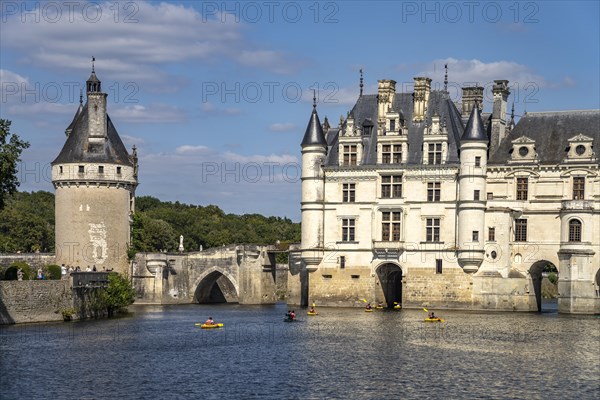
157,352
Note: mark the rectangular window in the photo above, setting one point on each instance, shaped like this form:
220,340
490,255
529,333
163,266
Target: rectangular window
348,229
520,230
348,192
433,230
100,169
81,169
390,226
391,186
435,153
478,161
522,184
438,266
118,170
386,154
476,236
397,153
492,234
342,262
392,125
574,231
476,195
490,196
350,155
578,188
434,191
60,169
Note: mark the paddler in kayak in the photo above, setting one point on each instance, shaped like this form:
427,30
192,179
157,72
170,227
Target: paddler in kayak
293,315
312,310
368,306
210,321
432,315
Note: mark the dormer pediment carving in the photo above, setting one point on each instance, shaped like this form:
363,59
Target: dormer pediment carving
580,149
523,150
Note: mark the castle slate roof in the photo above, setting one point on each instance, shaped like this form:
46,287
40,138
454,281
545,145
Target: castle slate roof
366,109
475,131
76,148
314,131
551,132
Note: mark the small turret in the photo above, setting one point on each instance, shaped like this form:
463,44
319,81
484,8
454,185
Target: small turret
314,150
472,192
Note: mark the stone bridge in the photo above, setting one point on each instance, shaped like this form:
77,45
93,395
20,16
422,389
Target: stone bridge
245,274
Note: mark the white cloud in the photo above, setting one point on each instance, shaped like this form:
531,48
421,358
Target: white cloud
40,108
272,158
209,108
282,127
155,113
190,149
154,36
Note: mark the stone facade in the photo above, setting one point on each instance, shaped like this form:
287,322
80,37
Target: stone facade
244,274
413,201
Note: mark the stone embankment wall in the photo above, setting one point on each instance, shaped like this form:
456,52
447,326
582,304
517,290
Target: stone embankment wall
34,260
34,301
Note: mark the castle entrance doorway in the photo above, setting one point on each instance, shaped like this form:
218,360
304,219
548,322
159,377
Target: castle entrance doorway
390,279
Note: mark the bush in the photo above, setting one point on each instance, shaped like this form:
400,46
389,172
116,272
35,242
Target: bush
553,277
54,272
11,272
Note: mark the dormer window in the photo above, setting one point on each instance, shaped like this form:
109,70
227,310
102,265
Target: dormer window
580,149
367,127
81,169
392,125
523,150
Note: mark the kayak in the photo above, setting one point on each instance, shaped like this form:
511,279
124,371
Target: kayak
434,320
368,310
398,307
289,320
313,313
379,307
211,326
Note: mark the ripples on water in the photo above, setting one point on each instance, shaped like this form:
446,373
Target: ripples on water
157,352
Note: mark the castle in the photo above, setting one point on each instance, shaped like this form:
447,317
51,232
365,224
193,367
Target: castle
415,200
95,179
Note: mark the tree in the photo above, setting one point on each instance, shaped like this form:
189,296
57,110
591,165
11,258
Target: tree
118,294
11,147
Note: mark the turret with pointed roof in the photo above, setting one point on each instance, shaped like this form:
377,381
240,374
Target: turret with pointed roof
95,180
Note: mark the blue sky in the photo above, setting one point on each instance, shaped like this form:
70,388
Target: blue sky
217,95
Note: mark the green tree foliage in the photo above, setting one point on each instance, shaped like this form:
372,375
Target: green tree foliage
54,272
27,222
553,278
118,295
27,225
11,272
11,147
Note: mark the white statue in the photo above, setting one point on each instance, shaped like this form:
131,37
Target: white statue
181,244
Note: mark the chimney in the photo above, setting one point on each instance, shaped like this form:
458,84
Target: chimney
500,92
421,98
385,99
470,95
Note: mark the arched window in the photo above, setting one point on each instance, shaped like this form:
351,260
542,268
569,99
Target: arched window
574,230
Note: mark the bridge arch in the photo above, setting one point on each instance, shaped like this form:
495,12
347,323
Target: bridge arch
216,285
390,279
535,272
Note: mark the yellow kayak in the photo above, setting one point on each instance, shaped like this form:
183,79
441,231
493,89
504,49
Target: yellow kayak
313,313
434,320
211,326
368,310
379,307
398,307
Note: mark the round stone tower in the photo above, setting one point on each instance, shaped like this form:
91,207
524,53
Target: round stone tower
94,179
472,189
314,150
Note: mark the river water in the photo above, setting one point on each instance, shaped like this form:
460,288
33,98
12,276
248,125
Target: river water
157,352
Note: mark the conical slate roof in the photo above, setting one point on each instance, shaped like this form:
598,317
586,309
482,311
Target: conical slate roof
77,148
475,131
314,131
